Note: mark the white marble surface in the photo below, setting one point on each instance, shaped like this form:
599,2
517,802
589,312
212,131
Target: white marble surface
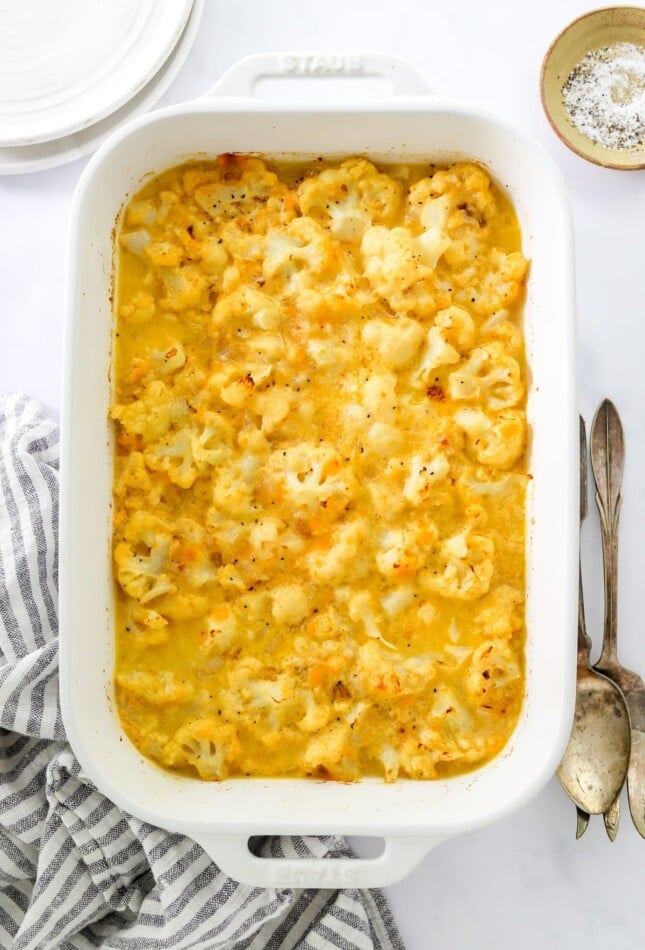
524,882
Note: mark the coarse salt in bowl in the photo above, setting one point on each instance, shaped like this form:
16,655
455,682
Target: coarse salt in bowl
593,87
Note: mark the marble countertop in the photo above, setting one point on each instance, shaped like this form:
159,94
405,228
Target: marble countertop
525,881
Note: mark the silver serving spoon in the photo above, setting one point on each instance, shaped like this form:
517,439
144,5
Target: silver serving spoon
607,463
594,765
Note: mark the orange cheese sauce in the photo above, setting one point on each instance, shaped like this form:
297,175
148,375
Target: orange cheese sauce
320,472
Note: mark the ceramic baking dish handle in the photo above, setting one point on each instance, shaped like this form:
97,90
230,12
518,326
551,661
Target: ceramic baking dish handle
400,856
241,80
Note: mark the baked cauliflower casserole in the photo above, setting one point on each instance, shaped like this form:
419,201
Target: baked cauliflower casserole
320,469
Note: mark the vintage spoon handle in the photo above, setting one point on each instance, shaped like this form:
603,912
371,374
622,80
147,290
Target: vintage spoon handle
582,822
584,643
612,817
607,463
636,772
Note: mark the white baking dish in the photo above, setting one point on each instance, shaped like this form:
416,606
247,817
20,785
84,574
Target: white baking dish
412,816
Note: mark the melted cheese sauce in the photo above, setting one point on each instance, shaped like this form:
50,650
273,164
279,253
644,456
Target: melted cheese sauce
320,473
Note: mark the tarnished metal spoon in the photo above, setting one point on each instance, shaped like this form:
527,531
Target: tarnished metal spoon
593,768
607,463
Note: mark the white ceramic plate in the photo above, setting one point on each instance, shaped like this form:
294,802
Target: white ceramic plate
68,64
31,158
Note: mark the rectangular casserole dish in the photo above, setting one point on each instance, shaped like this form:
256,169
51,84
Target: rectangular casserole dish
411,125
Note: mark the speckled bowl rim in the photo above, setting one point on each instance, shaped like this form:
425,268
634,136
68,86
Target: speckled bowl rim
612,161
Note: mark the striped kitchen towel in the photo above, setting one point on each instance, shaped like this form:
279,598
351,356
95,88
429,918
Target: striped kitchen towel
75,871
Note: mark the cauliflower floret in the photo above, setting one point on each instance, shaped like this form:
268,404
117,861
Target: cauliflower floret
210,747
502,614
238,243
152,555
248,304
298,254
168,360
384,439
393,262
144,617
253,605
418,760
396,600
131,472
163,253
166,203
350,198
144,627
489,375
425,209
234,484
343,556
142,558
270,345
290,603
174,456
390,760
402,550
211,252
502,283
317,713
311,475
379,396
273,406
396,341
235,383
241,184
461,568
227,533
304,262
452,334
327,355
257,691
382,674
493,669
189,553
496,440
424,474
184,288
431,214
270,539
463,184
330,751
137,242
220,631
432,243
153,414
239,391
445,703
141,309
159,689
362,609
185,454
266,531
230,578
501,327
141,212
211,445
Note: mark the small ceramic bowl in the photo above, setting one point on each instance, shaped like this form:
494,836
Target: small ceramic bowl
589,32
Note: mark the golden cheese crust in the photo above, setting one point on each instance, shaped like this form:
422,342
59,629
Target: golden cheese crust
320,472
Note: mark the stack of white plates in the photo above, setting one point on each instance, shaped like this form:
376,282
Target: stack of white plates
72,70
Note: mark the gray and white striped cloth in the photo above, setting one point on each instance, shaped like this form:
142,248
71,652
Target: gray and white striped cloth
75,871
